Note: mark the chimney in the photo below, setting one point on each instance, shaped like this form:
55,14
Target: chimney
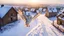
2,5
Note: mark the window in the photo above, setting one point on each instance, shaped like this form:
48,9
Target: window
12,14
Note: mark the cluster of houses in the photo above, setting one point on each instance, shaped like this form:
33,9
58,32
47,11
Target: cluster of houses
60,21
9,14
53,12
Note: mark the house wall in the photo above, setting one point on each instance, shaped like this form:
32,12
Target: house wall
58,21
52,14
11,16
63,22
1,23
47,14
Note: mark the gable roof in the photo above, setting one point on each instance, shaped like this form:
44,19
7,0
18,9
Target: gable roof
32,9
40,9
50,9
4,10
61,15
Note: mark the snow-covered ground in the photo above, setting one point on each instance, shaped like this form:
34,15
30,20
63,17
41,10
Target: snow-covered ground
41,26
44,28
19,29
53,18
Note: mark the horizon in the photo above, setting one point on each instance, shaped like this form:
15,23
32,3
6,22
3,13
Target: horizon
31,2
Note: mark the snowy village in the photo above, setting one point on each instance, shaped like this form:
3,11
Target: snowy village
31,20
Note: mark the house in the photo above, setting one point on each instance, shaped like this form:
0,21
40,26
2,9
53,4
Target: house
60,19
51,12
59,23
7,15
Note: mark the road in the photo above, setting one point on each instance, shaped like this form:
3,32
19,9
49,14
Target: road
44,28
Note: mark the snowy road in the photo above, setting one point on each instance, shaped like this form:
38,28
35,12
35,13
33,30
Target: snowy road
44,28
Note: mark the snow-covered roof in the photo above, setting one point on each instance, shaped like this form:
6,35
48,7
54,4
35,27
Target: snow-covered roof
44,9
26,9
37,11
40,9
59,13
4,10
63,18
32,9
53,9
27,13
62,10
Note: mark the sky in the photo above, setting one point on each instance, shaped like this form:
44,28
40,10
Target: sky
31,1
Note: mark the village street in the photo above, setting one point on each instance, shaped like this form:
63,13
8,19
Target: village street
41,26
44,28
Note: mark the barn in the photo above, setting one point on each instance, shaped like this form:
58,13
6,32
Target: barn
7,15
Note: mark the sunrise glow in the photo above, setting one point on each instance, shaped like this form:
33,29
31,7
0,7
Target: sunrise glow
31,1
34,1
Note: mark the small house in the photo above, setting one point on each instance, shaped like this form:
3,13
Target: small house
60,19
51,12
7,15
